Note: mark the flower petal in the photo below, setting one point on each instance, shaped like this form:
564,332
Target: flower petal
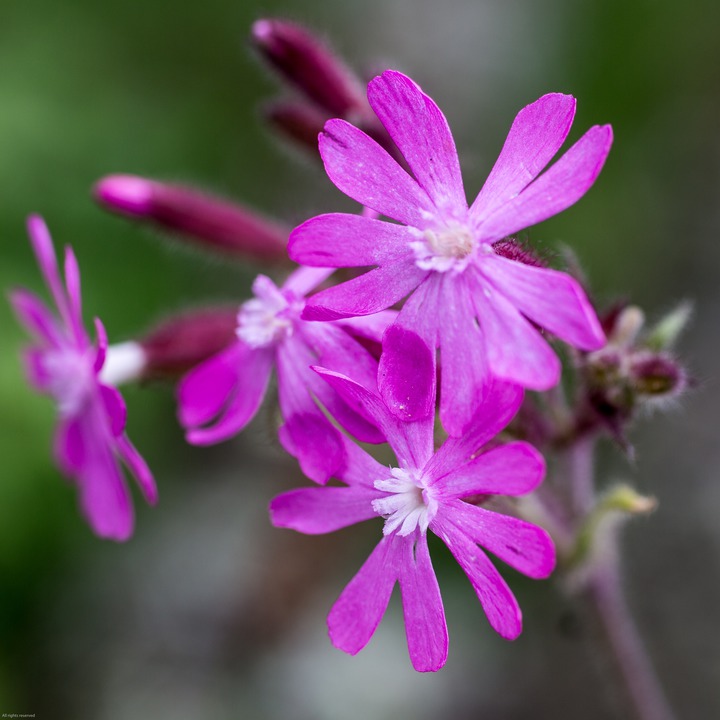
376,290
104,498
406,375
425,625
341,240
101,345
361,469
415,318
306,433
231,383
523,546
362,604
36,318
69,446
47,261
337,350
496,598
421,132
512,469
317,445
554,191
516,352
499,406
139,468
369,329
364,171
35,370
204,391
549,298
414,314
114,407
72,283
319,510
537,133
464,375
412,441
305,279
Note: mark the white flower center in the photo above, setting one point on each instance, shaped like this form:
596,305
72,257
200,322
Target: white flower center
71,377
410,505
449,248
268,318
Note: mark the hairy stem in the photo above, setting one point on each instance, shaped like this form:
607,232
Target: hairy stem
603,589
605,593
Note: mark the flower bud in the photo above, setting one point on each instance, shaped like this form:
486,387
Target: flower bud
628,372
611,509
656,375
297,120
185,340
627,326
664,334
309,65
207,220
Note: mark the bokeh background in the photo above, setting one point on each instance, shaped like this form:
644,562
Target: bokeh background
208,612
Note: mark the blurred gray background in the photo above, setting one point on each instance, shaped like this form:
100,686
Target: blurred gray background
208,612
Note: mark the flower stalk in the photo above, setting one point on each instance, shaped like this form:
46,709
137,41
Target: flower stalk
591,570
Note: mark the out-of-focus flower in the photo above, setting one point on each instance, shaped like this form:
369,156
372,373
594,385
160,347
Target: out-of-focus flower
470,299
90,439
218,398
210,222
426,491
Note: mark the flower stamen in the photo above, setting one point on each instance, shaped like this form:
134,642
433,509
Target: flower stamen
410,504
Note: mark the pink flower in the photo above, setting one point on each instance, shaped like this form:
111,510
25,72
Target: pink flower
90,439
218,398
425,491
469,301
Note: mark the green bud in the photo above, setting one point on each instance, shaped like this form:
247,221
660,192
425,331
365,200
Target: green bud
669,328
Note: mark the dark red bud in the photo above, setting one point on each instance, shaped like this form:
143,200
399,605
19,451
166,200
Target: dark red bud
309,65
185,340
200,217
656,375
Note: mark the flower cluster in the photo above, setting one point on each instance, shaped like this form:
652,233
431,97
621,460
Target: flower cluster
470,335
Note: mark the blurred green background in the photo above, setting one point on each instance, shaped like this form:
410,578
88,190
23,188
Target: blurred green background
208,612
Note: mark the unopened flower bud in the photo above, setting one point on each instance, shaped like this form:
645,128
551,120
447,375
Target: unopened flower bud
615,506
656,375
207,220
297,120
310,66
664,334
628,324
627,373
185,340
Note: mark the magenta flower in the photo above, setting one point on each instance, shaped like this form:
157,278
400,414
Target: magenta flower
469,301
90,439
218,398
424,492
